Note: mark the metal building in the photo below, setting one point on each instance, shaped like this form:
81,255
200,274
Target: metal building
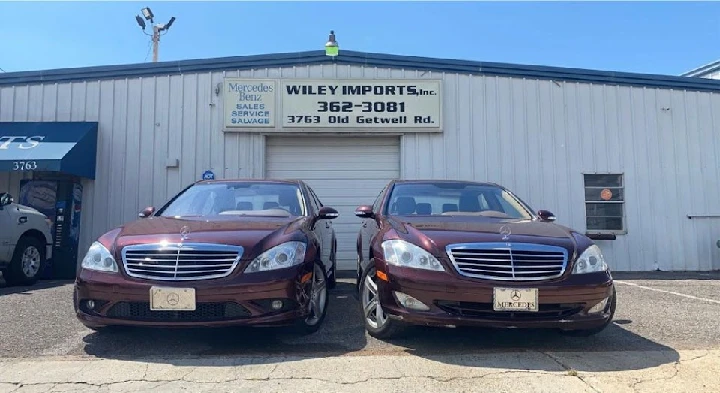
632,159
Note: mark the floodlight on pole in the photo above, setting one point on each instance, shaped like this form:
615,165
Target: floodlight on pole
157,28
331,46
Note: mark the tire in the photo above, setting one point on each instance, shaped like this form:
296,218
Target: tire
27,263
382,327
318,306
591,332
332,278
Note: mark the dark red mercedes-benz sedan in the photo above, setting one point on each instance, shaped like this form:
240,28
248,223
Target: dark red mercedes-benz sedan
450,253
220,253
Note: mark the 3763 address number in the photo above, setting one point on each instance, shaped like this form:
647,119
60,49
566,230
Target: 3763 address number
24,165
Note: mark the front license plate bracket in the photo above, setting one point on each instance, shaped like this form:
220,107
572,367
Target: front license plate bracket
515,299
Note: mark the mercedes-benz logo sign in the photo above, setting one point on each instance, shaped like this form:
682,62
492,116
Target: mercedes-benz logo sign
515,295
173,299
505,232
184,232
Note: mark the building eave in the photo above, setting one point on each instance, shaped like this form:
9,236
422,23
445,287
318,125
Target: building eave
354,58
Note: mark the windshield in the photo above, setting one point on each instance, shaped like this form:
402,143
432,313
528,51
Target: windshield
445,198
237,198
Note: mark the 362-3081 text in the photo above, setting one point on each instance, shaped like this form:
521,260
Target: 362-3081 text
365,106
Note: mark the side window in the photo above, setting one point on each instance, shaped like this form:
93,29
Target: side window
314,200
604,203
378,200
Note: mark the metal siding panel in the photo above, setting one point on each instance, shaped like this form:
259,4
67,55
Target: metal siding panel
35,103
7,103
118,153
147,151
49,102
161,132
681,192
203,125
78,96
175,127
539,140
21,107
563,174
516,141
216,121
465,155
104,186
64,102
88,109
132,133
189,138
476,129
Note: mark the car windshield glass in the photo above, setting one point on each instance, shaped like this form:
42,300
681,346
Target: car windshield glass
238,198
456,198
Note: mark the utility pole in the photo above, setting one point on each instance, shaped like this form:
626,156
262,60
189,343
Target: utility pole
157,29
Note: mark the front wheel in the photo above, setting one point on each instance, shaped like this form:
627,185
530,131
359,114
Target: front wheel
377,323
318,300
27,263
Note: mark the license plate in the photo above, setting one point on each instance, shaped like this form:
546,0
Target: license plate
162,298
515,299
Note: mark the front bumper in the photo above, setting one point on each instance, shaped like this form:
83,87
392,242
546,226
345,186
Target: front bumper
233,301
456,301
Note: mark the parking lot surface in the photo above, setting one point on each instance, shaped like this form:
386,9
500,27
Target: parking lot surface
666,334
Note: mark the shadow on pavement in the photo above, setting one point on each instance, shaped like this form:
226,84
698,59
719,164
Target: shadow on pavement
614,349
27,289
342,332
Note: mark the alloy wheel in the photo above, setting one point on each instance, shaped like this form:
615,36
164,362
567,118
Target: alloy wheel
372,310
31,262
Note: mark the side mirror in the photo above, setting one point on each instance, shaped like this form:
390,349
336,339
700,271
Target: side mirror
364,211
5,200
327,213
147,212
546,215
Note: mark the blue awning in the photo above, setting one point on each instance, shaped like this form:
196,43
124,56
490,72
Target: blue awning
67,147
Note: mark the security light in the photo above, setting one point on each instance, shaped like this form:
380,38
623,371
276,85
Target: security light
148,14
140,21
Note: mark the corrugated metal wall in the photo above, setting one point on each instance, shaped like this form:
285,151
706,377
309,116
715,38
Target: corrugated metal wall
535,137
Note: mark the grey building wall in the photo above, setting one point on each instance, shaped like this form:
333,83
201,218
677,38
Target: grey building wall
536,137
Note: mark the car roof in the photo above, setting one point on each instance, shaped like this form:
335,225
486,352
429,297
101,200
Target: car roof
422,181
241,180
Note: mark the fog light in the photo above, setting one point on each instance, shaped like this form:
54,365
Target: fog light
410,302
600,307
90,304
276,304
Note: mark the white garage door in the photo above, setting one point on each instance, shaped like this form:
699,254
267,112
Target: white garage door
344,171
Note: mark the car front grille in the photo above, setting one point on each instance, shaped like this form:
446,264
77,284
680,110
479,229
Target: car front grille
508,261
180,261
205,312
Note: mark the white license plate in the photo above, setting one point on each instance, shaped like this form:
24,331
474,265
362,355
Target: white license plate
515,299
163,298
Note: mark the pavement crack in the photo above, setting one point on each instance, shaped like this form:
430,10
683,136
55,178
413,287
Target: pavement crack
676,371
568,368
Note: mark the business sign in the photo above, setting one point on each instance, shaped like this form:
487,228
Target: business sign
362,104
249,103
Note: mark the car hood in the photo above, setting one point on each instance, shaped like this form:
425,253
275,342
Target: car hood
438,232
252,233
26,209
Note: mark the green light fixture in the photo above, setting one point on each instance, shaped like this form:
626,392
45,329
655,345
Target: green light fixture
331,46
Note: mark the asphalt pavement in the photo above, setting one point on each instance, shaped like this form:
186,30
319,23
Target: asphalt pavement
661,319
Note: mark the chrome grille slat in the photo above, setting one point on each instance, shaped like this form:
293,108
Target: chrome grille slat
180,261
508,261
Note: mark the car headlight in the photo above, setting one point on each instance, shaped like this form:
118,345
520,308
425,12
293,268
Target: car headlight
98,258
590,261
279,257
402,253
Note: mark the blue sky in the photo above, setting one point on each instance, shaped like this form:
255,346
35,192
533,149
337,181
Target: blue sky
650,37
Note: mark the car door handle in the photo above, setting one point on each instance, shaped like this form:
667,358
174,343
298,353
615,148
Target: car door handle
22,220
